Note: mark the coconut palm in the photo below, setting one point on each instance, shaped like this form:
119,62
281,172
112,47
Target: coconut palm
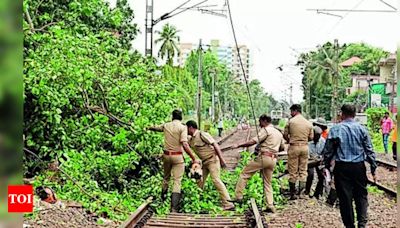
169,40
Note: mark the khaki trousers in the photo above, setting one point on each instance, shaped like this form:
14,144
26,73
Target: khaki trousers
297,163
267,165
214,168
173,166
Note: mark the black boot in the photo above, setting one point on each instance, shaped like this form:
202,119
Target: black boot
331,197
175,202
292,189
164,194
302,186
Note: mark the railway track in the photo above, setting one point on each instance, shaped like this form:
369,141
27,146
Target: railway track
144,217
387,177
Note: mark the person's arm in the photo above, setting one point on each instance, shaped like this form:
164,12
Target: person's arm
245,144
184,140
159,128
282,146
286,133
311,134
189,151
218,151
329,150
369,152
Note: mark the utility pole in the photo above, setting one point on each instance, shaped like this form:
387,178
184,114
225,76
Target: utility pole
392,93
335,80
308,96
199,85
149,28
213,96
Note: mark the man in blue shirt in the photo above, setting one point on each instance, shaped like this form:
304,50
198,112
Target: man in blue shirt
349,144
315,149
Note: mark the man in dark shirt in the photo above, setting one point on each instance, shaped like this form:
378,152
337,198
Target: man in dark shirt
349,144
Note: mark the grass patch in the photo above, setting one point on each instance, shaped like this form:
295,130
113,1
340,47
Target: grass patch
374,190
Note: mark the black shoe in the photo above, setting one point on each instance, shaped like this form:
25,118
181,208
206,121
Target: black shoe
292,189
175,202
302,186
270,209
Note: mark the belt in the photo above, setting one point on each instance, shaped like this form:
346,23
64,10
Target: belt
269,154
172,152
299,144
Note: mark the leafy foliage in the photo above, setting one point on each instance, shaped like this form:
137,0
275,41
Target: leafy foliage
88,98
318,71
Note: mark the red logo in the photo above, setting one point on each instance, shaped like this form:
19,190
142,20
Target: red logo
20,198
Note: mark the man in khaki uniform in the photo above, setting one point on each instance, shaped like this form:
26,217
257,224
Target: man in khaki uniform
175,141
298,132
211,156
270,141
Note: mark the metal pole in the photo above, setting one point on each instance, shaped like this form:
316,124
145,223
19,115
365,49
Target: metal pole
149,23
213,96
199,86
335,80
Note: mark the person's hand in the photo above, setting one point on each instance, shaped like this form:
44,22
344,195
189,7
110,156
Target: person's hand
196,161
223,164
324,171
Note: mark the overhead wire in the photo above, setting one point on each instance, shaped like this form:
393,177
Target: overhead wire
247,86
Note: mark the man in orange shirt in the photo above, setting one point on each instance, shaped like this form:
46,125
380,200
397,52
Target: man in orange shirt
323,125
394,141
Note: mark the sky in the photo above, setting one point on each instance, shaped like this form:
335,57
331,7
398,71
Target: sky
277,31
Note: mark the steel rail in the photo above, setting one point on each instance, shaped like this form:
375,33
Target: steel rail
137,215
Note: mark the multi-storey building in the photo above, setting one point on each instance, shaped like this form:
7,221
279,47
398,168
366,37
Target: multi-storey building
226,54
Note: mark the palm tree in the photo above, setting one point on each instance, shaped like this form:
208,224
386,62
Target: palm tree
169,43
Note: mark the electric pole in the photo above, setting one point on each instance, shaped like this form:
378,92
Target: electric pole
335,79
213,95
199,86
149,28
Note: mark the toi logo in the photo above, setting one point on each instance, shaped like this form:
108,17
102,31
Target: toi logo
20,198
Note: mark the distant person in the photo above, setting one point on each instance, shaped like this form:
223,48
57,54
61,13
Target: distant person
315,148
175,141
269,142
321,122
298,132
394,140
349,144
386,127
220,127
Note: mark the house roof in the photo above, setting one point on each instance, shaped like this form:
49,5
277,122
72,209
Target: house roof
350,61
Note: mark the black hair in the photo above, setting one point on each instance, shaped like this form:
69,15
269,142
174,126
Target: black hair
177,114
348,110
191,123
264,117
295,107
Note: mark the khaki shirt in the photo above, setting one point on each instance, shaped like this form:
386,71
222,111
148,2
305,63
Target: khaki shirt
175,133
299,130
271,139
202,142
